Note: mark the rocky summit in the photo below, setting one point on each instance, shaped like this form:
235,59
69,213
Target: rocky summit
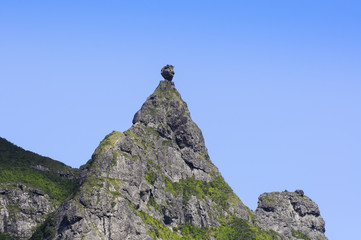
290,213
156,181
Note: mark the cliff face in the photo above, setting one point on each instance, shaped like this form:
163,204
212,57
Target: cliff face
153,181
22,209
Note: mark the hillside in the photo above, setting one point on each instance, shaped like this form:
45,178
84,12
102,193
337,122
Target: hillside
31,187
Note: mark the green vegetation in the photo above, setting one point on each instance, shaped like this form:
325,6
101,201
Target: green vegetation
171,95
300,235
239,229
218,190
16,166
90,183
232,228
167,143
151,164
142,134
189,231
107,142
271,198
98,182
7,236
154,204
45,231
13,207
157,229
151,177
168,93
137,139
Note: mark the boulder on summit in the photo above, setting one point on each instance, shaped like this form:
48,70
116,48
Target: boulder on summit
168,72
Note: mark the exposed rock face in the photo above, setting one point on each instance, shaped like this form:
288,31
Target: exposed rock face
22,209
138,177
290,213
168,72
41,168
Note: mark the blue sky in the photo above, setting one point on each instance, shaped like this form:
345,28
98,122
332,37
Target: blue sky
275,86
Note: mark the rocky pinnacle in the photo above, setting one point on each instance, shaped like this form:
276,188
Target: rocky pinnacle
291,214
167,72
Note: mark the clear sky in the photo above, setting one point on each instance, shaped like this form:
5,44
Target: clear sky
275,86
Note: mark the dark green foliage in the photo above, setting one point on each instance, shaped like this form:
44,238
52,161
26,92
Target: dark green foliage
189,231
300,235
151,177
158,229
232,228
7,236
13,207
239,229
46,231
16,167
154,204
151,164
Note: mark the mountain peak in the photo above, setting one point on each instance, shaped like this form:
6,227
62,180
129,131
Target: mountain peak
164,105
159,177
165,108
156,181
167,113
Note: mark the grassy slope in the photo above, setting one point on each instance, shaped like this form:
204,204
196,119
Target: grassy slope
16,168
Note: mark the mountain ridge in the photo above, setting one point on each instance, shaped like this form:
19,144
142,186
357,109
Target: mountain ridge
156,181
31,187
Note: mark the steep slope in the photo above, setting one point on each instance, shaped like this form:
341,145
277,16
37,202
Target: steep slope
31,187
155,181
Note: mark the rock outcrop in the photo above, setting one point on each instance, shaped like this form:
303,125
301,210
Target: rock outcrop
291,214
22,209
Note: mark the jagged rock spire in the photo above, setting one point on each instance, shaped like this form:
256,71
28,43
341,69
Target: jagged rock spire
167,113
